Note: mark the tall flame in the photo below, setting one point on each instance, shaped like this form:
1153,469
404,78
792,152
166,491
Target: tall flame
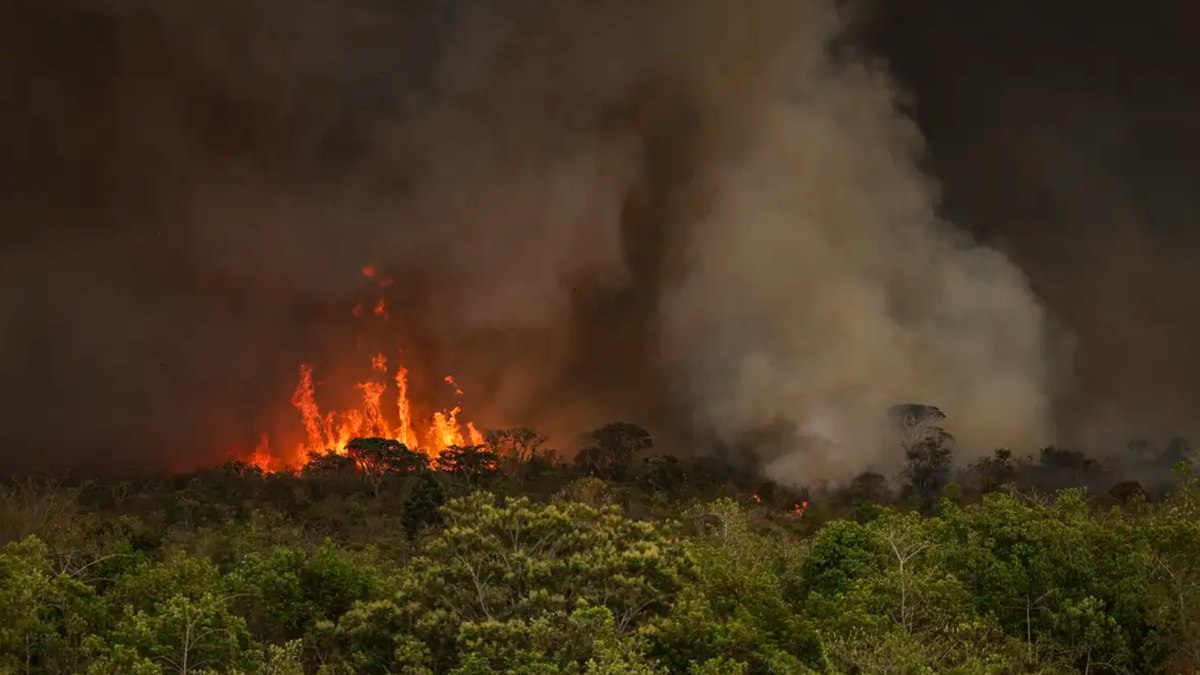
332,430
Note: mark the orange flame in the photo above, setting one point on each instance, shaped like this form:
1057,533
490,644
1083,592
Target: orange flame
333,430
324,431
261,456
757,499
404,432
800,508
379,362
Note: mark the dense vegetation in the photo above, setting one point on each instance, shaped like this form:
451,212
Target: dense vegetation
501,559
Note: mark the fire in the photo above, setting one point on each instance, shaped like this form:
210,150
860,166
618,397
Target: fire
261,456
333,430
379,362
324,430
757,499
799,509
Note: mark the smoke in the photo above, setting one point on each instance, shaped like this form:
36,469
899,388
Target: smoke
702,216
821,288
1070,139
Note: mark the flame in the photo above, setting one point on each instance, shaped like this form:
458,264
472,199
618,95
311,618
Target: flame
404,431
332,430
261,456
379,362
473,434
757,499
799,509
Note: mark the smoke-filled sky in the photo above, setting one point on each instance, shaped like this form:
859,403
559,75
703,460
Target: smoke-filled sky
708,217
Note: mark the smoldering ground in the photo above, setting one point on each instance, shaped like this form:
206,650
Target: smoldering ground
707,217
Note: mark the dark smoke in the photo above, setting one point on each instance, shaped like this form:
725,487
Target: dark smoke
1070,137
708,217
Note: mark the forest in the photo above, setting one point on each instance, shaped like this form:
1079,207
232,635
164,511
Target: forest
506,557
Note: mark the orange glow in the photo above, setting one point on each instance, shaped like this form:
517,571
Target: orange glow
473,434
799,509
757,499
332,430
404,431
261,457
379,362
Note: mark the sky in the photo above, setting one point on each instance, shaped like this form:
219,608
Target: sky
746,227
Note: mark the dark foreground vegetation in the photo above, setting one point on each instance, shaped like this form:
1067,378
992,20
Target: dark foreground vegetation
501,559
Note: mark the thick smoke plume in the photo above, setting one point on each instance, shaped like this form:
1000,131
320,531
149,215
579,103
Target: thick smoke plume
704,216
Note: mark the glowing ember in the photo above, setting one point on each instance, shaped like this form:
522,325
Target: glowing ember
368,271
757,499
799,509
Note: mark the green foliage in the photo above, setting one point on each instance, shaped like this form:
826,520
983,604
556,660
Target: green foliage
236,571
285,592
422,504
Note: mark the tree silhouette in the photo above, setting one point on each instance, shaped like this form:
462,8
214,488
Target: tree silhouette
378,458
927,447
607,451
516,448
473,463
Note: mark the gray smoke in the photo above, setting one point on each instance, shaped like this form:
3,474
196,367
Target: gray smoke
704,216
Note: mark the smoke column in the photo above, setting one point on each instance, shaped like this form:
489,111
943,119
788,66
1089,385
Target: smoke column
704,216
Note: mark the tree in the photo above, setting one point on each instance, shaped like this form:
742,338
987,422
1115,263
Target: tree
516,448
506,577
739,604
184,635
475,464
284,592
995,471
607,451
663,475
868,487
927,447
328,462
379,458
422,504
